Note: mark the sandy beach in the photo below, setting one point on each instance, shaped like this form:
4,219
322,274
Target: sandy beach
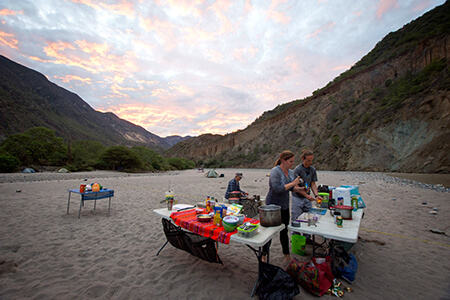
46,253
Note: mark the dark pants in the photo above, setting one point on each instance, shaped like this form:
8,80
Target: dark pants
284,238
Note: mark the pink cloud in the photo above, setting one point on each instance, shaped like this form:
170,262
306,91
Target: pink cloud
242,53
277,16
219,7
8,12
92,57
164,29
320,30
384,6
8,39
123,8
187,8
69,78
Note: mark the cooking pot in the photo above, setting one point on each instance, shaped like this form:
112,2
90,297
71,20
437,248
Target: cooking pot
345,210
270,215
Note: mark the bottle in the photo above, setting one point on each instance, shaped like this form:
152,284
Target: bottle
355,203
208,204
96,187
217,219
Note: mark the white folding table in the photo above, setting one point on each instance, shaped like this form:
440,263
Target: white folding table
264,235
328,229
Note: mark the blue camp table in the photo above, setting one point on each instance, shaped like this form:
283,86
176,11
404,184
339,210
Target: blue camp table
89,195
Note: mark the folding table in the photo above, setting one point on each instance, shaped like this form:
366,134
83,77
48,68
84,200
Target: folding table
255,243
328,229
89,195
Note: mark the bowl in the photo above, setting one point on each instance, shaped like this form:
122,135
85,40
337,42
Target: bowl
204,218
229,227
241,218
230,220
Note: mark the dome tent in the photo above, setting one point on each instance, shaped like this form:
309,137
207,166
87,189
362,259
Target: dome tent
28,170
212,174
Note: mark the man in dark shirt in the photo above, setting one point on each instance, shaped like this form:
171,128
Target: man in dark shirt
301,201
233,186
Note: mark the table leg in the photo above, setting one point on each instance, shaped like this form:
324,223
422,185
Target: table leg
109,206
162,247
258,254
81,203
314,244
68,202
332,253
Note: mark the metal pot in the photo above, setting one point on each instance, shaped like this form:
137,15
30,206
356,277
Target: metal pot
270,215
345,210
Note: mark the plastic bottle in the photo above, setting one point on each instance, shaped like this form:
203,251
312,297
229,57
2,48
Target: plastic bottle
355,203
217,219
208,204
96,187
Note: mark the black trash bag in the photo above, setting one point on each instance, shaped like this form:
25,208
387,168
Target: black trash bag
275,283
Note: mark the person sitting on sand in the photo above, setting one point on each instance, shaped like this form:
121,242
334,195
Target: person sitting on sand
233,186
281,182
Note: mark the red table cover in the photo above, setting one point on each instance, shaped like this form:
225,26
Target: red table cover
187,219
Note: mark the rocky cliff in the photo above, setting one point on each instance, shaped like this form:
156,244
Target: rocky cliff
390,115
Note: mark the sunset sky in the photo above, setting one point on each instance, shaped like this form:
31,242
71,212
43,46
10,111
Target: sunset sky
199,66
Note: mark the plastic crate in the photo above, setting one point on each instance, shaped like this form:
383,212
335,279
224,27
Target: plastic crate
247,233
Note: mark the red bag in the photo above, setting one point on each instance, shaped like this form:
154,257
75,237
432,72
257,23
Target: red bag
316,277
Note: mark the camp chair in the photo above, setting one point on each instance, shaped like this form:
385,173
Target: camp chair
202,247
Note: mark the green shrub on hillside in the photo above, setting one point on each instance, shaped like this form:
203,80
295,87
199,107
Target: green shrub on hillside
120,158
38,146
8,163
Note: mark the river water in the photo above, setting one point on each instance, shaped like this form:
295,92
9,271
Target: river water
443,179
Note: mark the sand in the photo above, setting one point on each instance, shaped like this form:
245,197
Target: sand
46,253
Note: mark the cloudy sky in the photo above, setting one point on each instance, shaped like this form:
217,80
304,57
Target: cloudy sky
189,67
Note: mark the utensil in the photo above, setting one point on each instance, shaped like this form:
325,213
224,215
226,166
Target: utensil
345,210
186,208
270,215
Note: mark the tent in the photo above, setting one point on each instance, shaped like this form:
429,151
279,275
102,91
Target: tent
28,170
63,170
212,174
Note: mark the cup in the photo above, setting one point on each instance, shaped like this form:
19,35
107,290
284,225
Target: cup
312,219
169,203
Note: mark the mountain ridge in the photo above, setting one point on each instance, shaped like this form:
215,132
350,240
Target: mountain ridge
28,99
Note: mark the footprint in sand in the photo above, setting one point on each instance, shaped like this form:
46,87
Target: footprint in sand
97,291
119,273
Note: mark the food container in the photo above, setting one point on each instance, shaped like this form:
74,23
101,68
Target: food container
204,218
270,215
231,220
248,230
199,211
241,218
345,210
